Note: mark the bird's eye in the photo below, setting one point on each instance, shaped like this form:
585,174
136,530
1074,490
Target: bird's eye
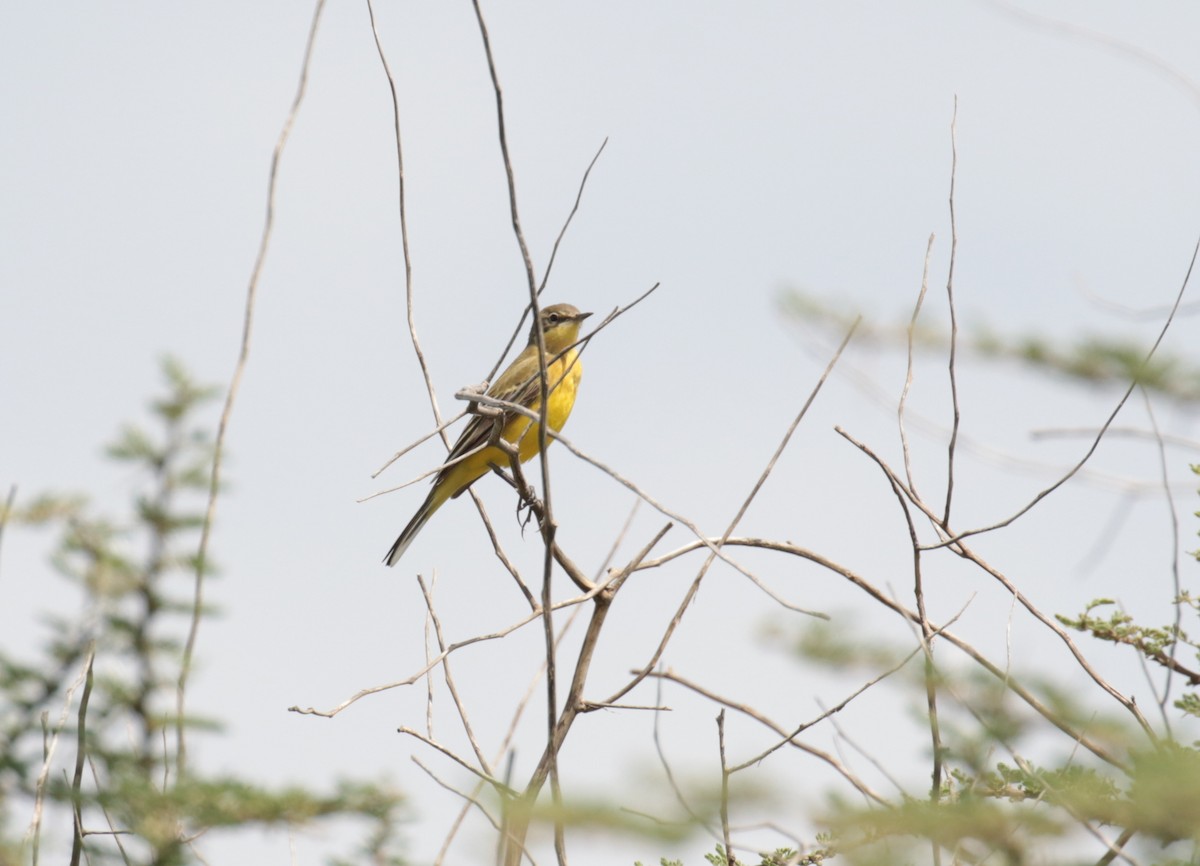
552,318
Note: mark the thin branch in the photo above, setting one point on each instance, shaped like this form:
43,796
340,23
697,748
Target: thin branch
49,746
400,202
1136,381
729,858
471,799
519,816
432,663
409,295
112,828
214,486
434,471
716,549
574,209
1173,515
80,757
924,635
662,758
612,473
747,710
499,786
451,649
953,316
965,552
445,663
912,616
508,169
553,256
1007,462
435,431
506,742
908,374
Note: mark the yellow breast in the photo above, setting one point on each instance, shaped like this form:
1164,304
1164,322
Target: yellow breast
563,375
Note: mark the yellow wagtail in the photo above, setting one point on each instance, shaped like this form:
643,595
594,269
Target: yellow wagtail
519,384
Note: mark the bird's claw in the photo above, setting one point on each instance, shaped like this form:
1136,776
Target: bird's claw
527,510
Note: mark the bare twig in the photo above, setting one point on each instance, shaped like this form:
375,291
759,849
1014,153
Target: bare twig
908,375
508,169
1107,423
49,746
471,799
80,757
716,549
400,202
112,828
506,742
547,522
662,756
553,256
519,815
788,736
965,552
1173,516
953,317
409,294
500,787
445,663
455,647
214,486
434,471
896,607
441,427
729,858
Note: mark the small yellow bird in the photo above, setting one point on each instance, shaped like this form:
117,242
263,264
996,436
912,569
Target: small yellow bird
519,384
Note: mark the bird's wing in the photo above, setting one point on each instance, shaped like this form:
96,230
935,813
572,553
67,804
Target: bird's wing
517,384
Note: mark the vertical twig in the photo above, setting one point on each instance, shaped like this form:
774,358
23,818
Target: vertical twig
908,376
189,648
1100,434
445,664
574,209
729,858
409,295
508,169
518,824
953,317
548,524
112,828
1166,483
428,659
400,198
80,757
49,745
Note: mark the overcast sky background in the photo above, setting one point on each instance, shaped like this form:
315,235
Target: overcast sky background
752,149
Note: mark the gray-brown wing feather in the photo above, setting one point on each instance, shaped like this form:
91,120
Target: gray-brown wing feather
479,430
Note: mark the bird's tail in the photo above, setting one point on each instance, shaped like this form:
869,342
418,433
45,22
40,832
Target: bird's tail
431,504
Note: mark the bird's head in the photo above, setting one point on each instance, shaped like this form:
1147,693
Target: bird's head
560,327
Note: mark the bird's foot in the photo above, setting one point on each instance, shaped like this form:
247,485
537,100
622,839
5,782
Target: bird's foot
528,509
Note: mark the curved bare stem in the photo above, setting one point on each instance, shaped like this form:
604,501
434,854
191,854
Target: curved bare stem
214,486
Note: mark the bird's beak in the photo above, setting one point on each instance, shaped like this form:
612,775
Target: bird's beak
582,316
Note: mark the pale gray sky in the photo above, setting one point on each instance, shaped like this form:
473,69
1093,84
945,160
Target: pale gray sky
752,147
